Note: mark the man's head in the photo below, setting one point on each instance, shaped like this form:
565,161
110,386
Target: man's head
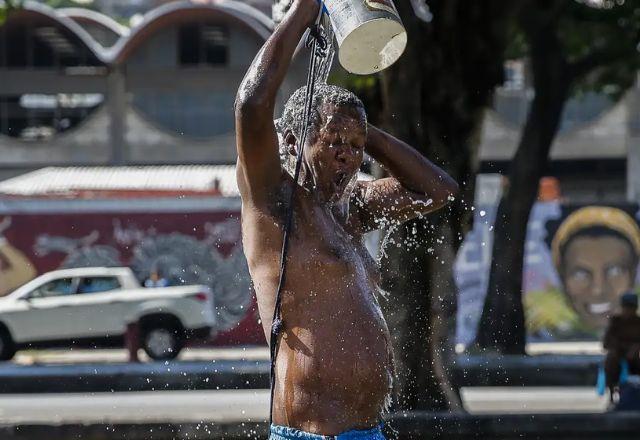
596,253
629,304
335,141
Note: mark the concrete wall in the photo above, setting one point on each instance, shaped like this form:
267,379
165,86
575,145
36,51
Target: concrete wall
609,136
154,111
604,137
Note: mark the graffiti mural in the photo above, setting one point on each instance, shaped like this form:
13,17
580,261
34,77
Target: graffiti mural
578,261
185,248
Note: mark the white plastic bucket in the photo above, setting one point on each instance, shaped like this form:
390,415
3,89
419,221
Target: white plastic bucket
370,34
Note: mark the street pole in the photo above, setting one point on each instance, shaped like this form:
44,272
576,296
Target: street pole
633,144
117,104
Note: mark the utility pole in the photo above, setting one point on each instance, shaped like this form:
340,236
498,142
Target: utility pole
117,105
633,143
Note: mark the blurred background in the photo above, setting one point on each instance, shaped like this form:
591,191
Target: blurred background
117,179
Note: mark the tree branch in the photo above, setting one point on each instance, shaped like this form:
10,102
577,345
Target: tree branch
601,57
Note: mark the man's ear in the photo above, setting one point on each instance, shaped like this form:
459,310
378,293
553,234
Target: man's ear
291,141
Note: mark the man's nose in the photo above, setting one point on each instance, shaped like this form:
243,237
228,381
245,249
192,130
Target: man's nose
342,153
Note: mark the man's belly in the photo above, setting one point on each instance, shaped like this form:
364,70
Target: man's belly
335,362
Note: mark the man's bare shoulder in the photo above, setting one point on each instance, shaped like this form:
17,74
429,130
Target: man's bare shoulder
263,202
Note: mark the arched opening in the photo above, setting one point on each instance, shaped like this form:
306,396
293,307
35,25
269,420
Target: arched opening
36,51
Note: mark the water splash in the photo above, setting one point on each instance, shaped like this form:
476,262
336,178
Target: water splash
326,61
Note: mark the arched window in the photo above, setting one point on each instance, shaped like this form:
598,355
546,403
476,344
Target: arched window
41,116
43,46
202,44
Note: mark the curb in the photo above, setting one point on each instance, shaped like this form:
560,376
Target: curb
415,425
165,376
540,370
515,370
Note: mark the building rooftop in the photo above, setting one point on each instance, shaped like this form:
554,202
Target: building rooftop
129,182
126,182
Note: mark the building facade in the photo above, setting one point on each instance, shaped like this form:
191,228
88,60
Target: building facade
80,89
594,150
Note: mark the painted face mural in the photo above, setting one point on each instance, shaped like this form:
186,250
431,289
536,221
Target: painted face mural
595,252
579,260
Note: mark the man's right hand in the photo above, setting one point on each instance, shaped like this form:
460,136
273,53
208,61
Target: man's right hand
282,7
306,10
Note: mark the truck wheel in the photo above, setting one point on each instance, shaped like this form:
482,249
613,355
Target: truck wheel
7,347
162,341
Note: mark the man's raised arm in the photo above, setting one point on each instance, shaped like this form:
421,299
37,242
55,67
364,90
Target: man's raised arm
258,169
416,185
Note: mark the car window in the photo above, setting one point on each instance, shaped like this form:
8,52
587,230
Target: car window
59,287
98,284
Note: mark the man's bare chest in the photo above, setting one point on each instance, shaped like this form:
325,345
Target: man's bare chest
320,246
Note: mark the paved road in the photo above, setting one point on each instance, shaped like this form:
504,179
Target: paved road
166,406
492,400
252,405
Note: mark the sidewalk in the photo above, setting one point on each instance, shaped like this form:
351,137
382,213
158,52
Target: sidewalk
239,406
443,426
125,377
108,356
249,369
66,356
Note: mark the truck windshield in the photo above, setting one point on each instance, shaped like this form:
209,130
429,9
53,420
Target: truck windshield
59,287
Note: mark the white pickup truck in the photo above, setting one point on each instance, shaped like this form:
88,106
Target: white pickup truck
91,307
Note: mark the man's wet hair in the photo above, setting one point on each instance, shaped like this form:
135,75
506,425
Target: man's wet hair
293,112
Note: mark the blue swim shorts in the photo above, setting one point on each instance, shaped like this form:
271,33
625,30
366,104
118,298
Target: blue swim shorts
286,433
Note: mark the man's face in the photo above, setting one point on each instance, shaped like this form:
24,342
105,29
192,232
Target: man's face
334,155
597,270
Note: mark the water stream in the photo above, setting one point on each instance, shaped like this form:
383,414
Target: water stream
324,64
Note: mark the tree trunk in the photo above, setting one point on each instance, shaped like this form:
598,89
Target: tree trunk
434,99
406,266
420,384
502,325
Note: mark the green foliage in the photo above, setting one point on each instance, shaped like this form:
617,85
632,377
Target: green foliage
68,4
366,87
600,43
518,46
8,6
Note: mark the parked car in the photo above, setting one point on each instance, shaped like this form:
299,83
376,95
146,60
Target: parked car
92,307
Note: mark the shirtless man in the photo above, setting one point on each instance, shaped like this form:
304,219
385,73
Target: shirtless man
334,364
